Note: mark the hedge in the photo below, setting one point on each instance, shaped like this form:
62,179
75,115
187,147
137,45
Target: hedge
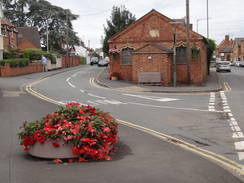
21,62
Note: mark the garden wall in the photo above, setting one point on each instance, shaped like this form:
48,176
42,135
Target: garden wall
7,71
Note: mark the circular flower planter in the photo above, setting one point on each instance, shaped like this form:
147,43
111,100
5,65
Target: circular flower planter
73,131
49,151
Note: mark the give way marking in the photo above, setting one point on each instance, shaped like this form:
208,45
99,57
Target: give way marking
159,99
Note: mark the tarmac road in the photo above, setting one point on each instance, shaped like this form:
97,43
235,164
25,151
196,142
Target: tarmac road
141,157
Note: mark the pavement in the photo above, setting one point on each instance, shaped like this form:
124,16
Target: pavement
212,84
140,158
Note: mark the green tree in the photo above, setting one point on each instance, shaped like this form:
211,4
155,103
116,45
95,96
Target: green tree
42,14
120,19
15,11
211,47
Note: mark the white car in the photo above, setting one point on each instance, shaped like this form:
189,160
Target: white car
223,66
237,64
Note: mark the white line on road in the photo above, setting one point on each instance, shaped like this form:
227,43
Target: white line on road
176,108
160,99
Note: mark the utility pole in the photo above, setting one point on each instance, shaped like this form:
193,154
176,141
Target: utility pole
174,58
47,35
1,37
188,41
67,41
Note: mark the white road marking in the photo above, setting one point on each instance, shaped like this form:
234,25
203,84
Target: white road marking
160,99
96,96
176,108
72,85
241,156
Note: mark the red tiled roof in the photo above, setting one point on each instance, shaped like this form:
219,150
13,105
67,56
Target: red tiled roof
6,22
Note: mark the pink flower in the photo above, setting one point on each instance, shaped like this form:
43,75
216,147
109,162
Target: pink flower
106,129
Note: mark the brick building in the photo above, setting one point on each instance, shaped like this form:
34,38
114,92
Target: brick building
10,35
28,37
230,49
146,52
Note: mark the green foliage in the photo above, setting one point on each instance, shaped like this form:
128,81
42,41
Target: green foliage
42,14
95,54
21,62
33,54
51,57
12,53
194,53
120,19
83,60
211,47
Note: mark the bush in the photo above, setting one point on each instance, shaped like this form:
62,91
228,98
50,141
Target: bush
36,54
91,131
11,54
82,60
51,57
33,54
21,62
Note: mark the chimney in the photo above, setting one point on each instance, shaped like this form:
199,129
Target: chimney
227,37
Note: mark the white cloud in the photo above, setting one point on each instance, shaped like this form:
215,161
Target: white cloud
226,17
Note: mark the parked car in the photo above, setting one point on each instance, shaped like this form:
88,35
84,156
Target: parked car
241,64
223,66
94,60
237,64
232,63
102,63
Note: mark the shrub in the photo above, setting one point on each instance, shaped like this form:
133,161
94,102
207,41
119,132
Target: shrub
21,62
33,54
91,131
51,57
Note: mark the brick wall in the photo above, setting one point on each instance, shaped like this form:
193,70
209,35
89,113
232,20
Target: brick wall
70,62
7,71
155,28
26,45
8,38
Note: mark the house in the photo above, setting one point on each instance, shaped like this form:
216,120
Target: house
99,51
146,53
227,50
10,35
83,51
240,44
28,37
230,50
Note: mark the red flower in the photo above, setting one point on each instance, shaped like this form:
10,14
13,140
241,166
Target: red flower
55,144
91,132
71,160
57,161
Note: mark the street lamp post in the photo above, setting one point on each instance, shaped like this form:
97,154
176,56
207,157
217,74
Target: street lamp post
202,19
207,22
174,59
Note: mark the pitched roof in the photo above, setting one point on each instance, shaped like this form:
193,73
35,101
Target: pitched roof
5,22
29,33
227,49
143,18
238,40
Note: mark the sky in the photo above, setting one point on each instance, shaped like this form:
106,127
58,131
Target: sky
225,17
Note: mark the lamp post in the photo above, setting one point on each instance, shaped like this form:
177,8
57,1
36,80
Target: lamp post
207,22
174,59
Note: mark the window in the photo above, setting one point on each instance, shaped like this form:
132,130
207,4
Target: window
127,56
181,55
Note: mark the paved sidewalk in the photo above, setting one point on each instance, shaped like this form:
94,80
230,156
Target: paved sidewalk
141,157
212,84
